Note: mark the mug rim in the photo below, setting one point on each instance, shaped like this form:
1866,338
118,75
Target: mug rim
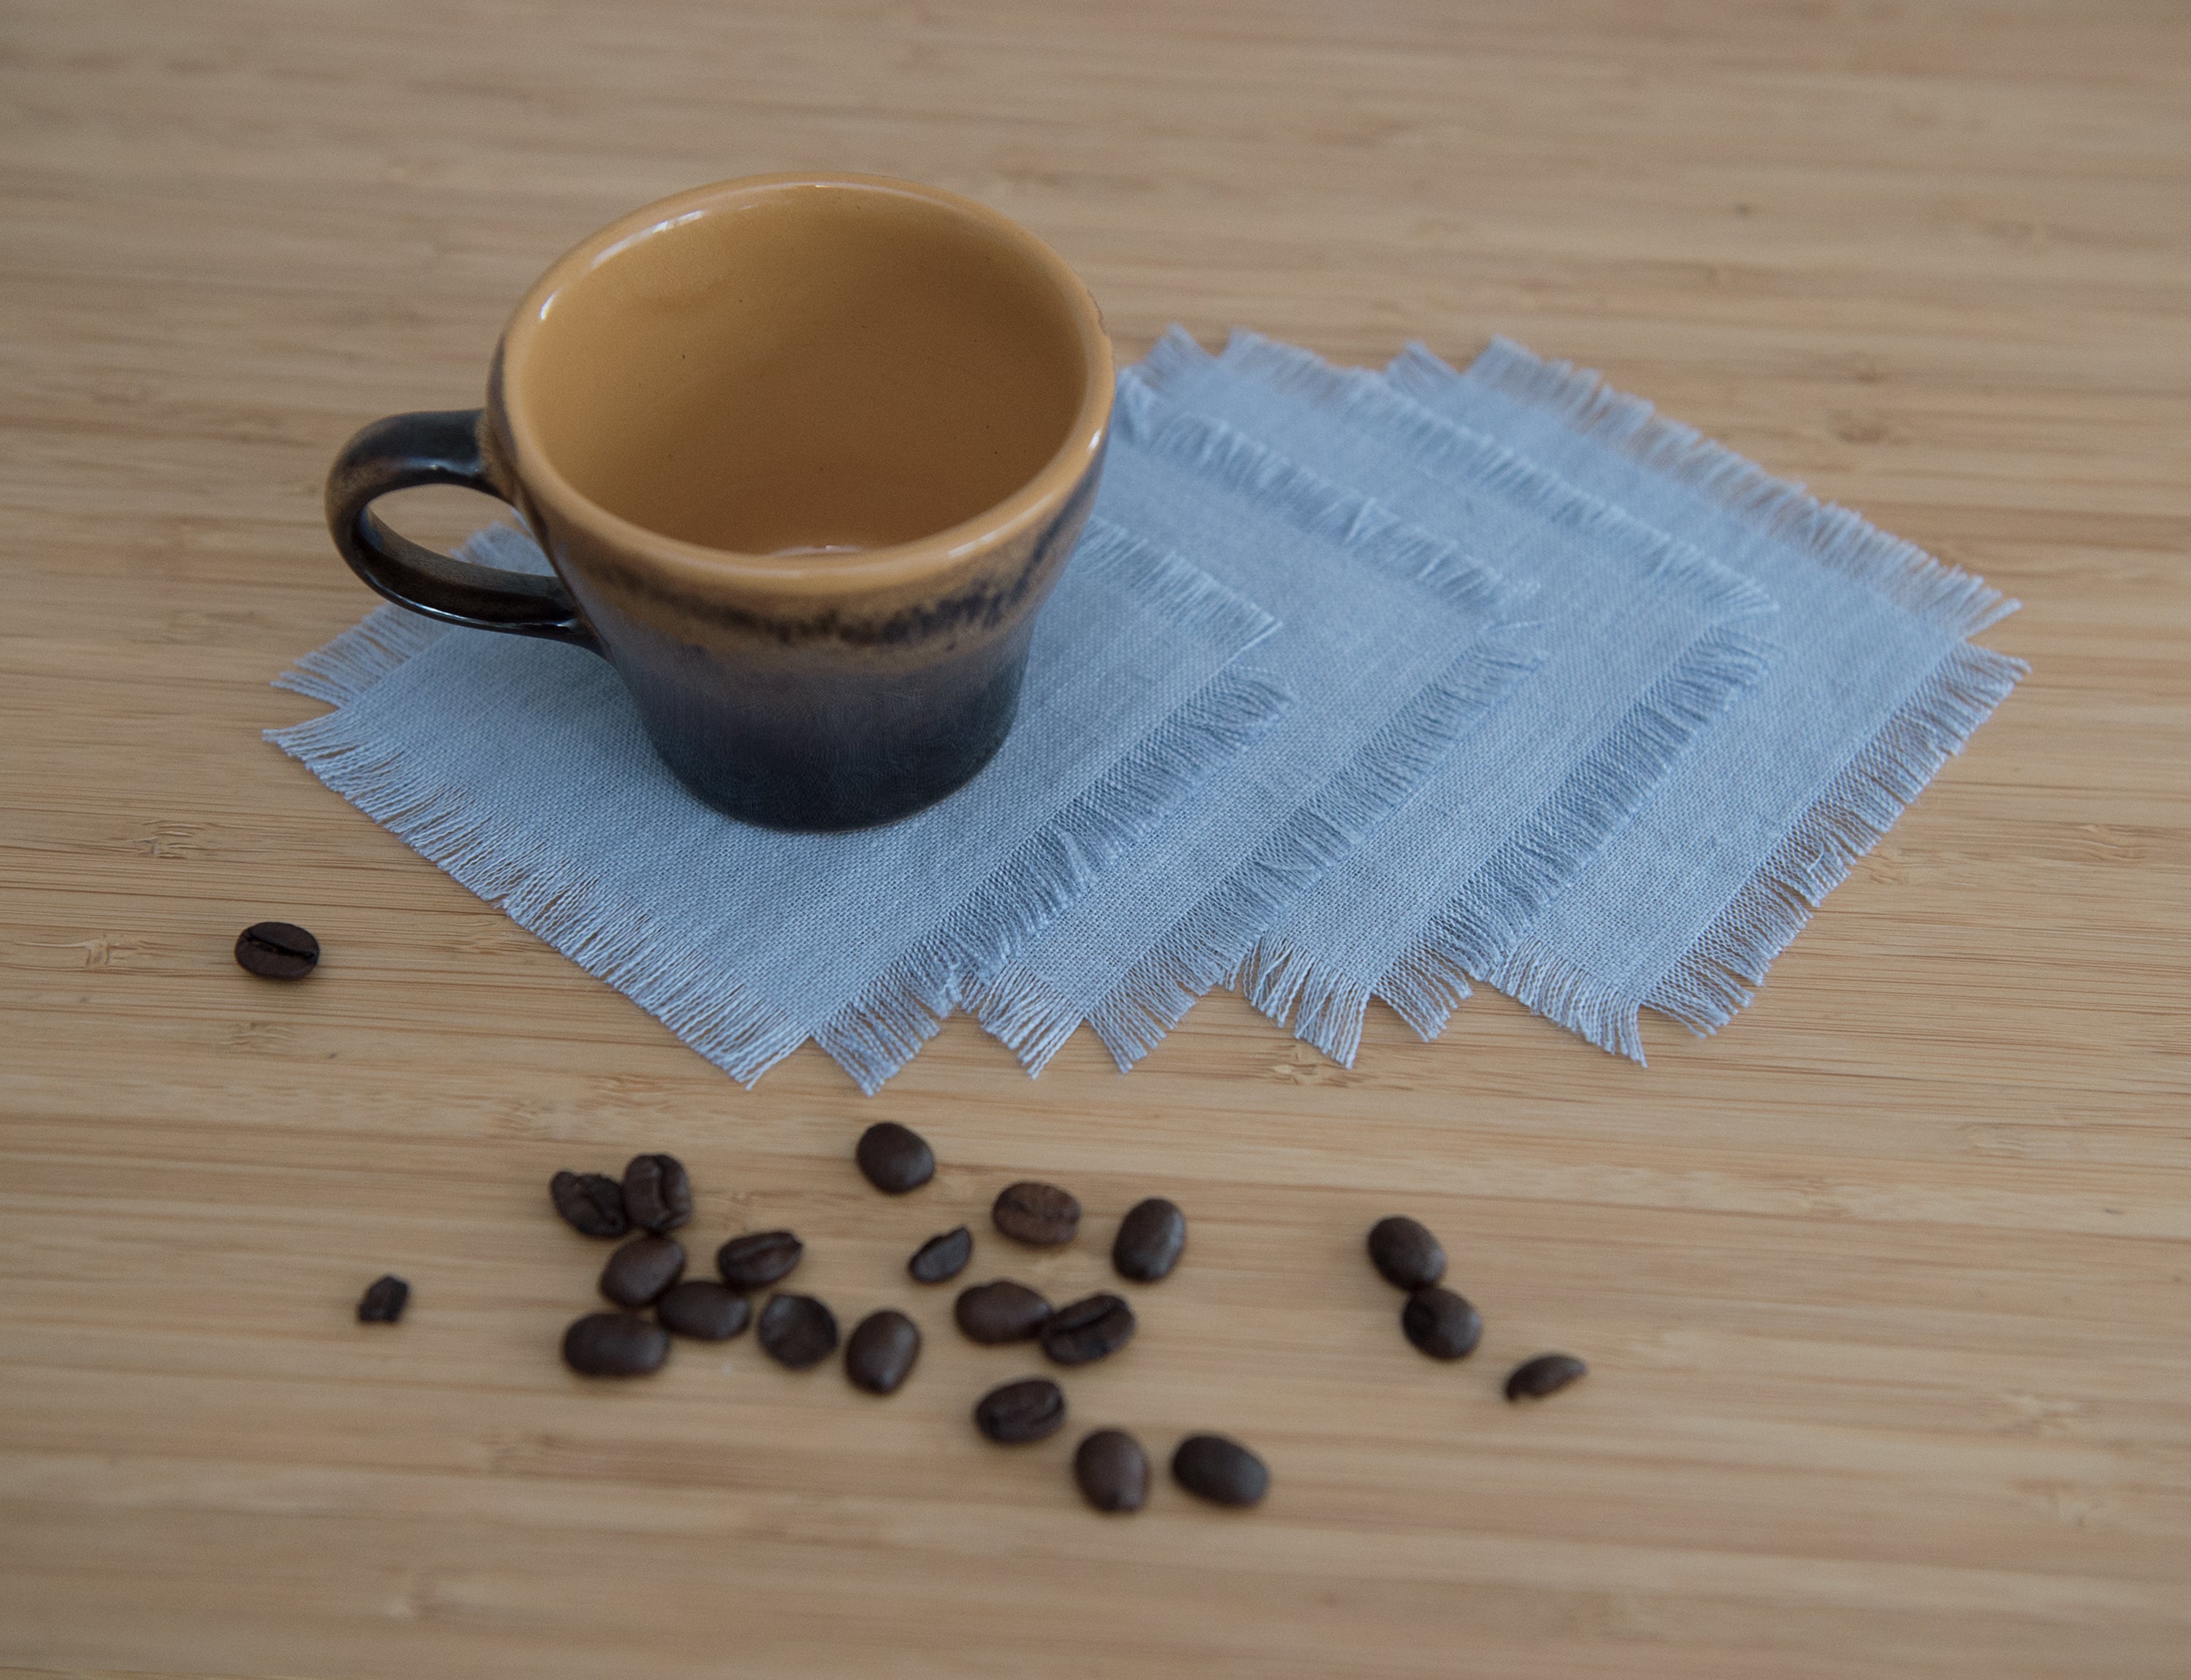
898,563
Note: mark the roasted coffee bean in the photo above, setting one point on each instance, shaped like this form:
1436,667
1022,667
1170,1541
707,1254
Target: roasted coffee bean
1546,1373
385,1300
657,1192
277,950
879,1353
1082,1331
591,1203
614,1344
1149,1240
895,1159
1441,1324
1221,1471
1403,1250
1019,1412
704,1310
941,1258
998,1311
641,1272
797,1330
1040,1214
1113,1471
760,1258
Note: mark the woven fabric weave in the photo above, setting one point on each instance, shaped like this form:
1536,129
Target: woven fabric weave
520,768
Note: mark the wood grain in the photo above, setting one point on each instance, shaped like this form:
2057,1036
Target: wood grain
1885,1288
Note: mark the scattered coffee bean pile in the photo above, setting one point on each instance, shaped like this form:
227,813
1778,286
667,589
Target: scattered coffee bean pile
1109,1467
655,1197
1441,1324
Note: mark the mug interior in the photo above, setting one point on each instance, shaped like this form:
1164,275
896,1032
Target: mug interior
808,367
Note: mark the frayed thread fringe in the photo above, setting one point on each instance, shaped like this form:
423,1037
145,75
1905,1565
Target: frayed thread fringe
384,640
583,917
1719,974
1205,948
1490,914
879,1032
680,982
388,637
1844,542
1364,400
1220,454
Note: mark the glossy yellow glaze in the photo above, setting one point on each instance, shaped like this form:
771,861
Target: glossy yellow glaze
793,362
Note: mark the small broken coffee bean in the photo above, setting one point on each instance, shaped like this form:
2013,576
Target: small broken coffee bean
1441,1324
1221,1471
704,1310
590,1202
1111,1470
999,1312
942,1257
1083,1331
1039,1214
1150,1239
1546,1373
796,1331
277,950
1030,1410
895,1159
657,1192
383,1302
879,1353
757,1259
1403,1250
614,1344
641,1272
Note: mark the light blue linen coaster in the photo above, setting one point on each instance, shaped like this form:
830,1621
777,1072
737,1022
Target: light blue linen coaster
1685,910
1392,640
520,768
1646,640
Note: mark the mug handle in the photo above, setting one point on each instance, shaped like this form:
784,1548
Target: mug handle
437,448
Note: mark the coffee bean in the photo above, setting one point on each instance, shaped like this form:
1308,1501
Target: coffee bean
277,950
1441,1324
385,1298
1113,1471
614,1344
657,1192
1404,1250
1219,1470
999,1312
895,1159
1083,1331
642,1271
591,1203
1149,1240
879,1355
704,1310
940,1259
760,1258
797,1330
1040,1214
1029,1409
1546,1373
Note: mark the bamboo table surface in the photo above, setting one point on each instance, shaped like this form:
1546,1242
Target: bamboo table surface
1886,1288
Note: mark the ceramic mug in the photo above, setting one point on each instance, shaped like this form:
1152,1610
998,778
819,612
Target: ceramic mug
806,452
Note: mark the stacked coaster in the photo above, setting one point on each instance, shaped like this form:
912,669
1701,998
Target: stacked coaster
1360,685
